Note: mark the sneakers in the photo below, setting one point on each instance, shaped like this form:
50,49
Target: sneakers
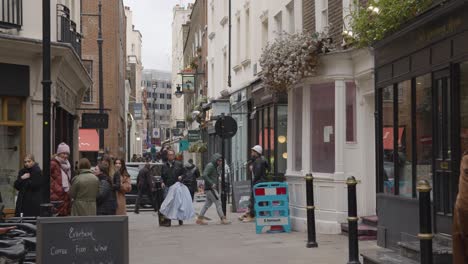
201,221
248,219
224,221
242,217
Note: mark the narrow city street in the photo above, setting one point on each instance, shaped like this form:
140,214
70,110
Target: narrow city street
236,243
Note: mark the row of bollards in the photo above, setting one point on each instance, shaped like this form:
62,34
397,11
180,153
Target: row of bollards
425,235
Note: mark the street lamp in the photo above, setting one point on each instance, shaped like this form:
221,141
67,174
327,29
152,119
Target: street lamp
178,93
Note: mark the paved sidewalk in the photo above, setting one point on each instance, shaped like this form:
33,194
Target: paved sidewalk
236,243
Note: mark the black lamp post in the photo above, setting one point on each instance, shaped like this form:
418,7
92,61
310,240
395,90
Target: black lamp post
178,93
46,84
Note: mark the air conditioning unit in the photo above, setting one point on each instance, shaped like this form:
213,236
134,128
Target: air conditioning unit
255,69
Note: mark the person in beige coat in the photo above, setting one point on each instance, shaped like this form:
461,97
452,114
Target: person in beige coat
84,190
460,217
122,185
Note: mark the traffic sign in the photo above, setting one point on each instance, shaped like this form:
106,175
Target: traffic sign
226,127
94,120
193,135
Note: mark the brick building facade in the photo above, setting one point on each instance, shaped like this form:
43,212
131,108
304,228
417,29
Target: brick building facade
114,67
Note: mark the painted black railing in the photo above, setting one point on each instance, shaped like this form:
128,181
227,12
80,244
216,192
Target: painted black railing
11,13
66,29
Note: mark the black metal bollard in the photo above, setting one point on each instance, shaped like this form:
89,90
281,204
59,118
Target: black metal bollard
425,226
311,235
352,222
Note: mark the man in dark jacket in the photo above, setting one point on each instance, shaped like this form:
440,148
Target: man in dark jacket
145,185
259,167
191,176
210,175
171,172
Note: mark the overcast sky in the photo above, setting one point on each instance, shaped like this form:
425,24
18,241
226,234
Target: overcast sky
154,20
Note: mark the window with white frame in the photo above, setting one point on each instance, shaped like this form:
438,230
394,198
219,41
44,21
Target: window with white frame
292,22
264,33
279,22
238,40
324,6
247,33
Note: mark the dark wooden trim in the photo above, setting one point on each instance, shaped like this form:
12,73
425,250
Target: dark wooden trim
396,171
414,141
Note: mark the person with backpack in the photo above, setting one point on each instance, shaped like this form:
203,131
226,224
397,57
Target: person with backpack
190,177
259,168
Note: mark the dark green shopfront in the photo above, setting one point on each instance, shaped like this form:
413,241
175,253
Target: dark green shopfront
421,119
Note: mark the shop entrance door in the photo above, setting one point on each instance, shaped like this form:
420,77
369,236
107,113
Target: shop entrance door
445,180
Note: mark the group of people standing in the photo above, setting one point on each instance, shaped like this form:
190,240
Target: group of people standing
89,192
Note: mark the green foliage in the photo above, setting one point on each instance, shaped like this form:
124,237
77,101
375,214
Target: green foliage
379,18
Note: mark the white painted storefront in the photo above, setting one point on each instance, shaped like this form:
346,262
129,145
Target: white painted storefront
321,142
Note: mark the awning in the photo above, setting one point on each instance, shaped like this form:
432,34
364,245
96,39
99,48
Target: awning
388,137
88,140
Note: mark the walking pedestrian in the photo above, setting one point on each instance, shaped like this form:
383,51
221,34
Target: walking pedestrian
124,185
105,201
171,172
84,190
60,176
192,173
210,175
28,185
460,217
259,168
145,186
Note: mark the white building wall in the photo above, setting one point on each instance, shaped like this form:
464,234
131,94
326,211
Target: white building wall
180,17
134,46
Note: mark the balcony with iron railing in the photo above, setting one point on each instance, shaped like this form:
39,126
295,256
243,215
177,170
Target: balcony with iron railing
66,29
11,14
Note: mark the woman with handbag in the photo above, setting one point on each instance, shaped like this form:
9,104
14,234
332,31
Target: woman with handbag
122,185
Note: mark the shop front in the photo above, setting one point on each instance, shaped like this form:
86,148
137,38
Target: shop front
422,119
268,128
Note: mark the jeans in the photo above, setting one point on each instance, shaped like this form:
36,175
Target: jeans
140,195
210,199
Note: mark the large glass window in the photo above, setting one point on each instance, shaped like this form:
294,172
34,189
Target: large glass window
297,102
350,112
404,164
387,139
282,138
323,127
464,106
423,125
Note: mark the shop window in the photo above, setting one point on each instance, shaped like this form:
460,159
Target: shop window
322,104
387,138
464,106
405,151
424,127
15,112
297,124
350,112
282,139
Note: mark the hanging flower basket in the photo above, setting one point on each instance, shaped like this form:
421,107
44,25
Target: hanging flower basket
290,58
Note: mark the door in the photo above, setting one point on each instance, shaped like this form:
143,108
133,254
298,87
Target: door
444,176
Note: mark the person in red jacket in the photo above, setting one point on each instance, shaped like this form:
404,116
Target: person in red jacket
60,180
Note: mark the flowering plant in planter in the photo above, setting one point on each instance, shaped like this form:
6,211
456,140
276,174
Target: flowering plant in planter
290,58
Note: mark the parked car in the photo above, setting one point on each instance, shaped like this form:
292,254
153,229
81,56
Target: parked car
133,169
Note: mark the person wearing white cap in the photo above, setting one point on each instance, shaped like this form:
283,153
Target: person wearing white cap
258,167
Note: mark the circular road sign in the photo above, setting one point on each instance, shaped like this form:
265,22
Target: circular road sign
226,127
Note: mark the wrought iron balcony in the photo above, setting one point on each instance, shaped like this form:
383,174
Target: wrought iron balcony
66,29
11,13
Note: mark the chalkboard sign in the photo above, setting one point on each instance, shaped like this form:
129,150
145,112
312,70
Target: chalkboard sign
83,240
242,191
